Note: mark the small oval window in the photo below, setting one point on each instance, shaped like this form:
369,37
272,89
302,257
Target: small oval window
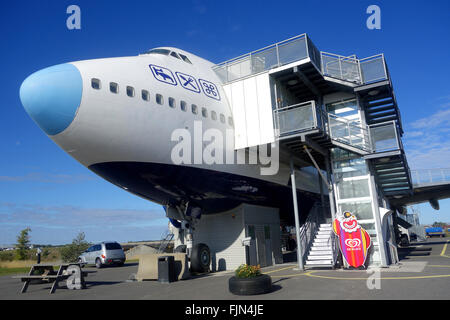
96,84
114,87
183,105
171,102
159,99
130,91
145,95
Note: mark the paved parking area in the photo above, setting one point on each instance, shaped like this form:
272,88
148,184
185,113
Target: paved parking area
424,273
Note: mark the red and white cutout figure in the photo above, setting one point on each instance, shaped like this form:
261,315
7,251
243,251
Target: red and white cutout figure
354,241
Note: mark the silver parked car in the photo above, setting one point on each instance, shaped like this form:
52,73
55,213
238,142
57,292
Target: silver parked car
105,253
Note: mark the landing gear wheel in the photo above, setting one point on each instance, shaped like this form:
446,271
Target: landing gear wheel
200,258
181,248
98,263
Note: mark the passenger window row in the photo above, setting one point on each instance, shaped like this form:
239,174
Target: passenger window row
145,95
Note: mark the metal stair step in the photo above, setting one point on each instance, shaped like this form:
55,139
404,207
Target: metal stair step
323,236
320,252
321,248
317,240
323,257
321,244
319,262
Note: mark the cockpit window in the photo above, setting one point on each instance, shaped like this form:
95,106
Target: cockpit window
159,51
185,59
167,52
174,54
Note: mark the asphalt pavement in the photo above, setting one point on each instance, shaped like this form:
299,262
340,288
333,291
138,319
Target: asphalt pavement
423,273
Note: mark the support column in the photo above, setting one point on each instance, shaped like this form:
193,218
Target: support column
322,201
378,222
297,223
333,207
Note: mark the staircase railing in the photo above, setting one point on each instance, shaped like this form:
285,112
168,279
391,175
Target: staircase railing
165,240
309,229
334,245
349,132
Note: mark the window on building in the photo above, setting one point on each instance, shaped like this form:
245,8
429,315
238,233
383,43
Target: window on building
130,91
194,109
114,87
145,95
204,113
213,115
222,118
171,102
159,99
96,84
230,121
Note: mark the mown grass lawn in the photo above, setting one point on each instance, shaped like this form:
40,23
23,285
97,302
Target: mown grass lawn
12,271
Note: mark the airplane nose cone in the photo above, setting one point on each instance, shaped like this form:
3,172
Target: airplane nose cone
52,96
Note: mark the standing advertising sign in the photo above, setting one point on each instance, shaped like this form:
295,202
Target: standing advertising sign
354,241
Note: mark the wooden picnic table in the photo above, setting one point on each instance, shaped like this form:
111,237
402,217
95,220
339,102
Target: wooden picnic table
46,273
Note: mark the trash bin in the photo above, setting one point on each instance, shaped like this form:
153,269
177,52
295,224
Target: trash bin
166,269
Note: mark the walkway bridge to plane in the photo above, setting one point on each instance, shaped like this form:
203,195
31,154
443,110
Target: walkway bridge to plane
429,185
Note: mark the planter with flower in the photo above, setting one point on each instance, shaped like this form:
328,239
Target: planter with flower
248,280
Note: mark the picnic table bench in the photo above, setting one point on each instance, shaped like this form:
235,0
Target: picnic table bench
71,272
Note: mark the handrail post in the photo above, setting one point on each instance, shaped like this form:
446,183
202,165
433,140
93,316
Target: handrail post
397,140
384,66
313,106
349,134
360,72
278,54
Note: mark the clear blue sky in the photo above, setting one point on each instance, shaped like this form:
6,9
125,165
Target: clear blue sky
44,188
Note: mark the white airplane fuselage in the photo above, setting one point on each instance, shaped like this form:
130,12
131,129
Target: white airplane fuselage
128,141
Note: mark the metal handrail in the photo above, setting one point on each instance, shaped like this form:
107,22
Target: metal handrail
364,135
165,240
309,229
352,59
276,116
311,51
393,124
260,50
430,176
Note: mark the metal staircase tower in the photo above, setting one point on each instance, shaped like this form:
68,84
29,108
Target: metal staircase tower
300,83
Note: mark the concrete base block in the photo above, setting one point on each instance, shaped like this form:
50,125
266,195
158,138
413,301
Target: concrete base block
148,266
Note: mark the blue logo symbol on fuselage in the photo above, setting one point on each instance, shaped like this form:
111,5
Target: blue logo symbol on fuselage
163,74
209,89
188,82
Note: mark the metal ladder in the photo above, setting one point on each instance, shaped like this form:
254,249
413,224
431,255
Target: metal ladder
165,240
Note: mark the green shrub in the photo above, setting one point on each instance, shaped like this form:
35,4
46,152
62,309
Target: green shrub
71,252
7,255
246,271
